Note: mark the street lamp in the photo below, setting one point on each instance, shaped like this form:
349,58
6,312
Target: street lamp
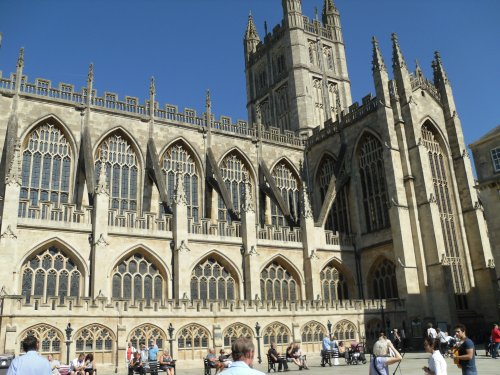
257,330
242,252
329,325
171,335
68,330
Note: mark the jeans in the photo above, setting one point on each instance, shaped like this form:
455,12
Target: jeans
494,349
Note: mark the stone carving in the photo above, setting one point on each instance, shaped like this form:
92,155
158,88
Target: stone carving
152,88
8,233
491,263
253,251
313,255
14,172
183,247
306,210
101,241
247,205
179,192
432,198
102,183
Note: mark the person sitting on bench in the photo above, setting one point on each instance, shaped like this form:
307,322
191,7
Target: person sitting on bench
136,365
275,358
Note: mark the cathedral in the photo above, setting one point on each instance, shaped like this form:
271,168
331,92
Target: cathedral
129,221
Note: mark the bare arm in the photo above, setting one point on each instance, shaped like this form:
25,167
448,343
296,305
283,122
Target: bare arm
397,357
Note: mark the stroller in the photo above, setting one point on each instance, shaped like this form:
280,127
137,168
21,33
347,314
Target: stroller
356,354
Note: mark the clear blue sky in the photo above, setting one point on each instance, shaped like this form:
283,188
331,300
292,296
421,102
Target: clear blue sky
194,45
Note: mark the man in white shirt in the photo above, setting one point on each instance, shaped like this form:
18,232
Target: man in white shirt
54,364
31,363
431,332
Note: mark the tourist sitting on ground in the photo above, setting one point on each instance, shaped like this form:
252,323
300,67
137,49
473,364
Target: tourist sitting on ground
77,366
54,364
223,362
382,349
166,362
136,365
89,364
274,357
297,357
211,358
437,364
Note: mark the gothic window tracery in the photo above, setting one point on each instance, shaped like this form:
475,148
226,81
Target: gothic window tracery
210,280
277,283
176,158
445,200
344,330
265,112
49,339
46,166
334,99
235,331
319,111
283,115
373,184
313,332
146,333
51,273
95,339
384,282
312,52
288,185
137,278
328,56
333,284
495,158
192,337
234,173
278,333
122,171
338,217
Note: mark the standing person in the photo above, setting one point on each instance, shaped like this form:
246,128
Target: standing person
243,353
275,358
89,364
54,364
144,353
77,365
431,332
466,356
31,363
436,362
396,339
129,354
443,342
495,341
326,347
136,365
379,365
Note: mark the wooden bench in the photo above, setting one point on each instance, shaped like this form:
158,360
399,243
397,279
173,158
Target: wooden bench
270,364
153,367
327,355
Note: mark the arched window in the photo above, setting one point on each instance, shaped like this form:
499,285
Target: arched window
51,273
384,280
276,283
288,184
178,158
344,330
317,86
334,99
338,218
95,339
210,280
138,278
234,173
445,200
333,284
372,174
49,339
146,333
46,169
192,337
278,333
235,331
313,332
122,171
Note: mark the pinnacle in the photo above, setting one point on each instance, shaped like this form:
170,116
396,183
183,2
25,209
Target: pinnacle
378,61
251,31
152,88
398,60
20,59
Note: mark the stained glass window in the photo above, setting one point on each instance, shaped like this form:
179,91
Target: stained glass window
276,283
333,284
384,280
288,186
193,336
313,332
344,330
211,280
234,173
49,338
235,331
278,333
146,333
95,339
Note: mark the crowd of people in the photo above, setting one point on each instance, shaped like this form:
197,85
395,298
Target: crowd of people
138,359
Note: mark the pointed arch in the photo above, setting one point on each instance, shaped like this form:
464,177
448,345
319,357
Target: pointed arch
382,282
138,273
313,332
344,330
436,129
215,277
144,333
337,281
234,331
124,133
280,280
192,150
49,339
192,341
48,152
96,339
244,158
279,333
178,154
123,159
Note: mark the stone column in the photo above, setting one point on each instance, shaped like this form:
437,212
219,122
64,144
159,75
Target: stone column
121,345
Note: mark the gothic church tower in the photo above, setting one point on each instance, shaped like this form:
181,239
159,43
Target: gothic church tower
297,77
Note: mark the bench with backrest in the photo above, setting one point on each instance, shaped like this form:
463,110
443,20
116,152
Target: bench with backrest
327,355
270,364
153,367
207,368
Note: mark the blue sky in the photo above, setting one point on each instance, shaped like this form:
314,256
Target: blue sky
194,45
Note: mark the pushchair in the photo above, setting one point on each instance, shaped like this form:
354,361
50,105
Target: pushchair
356,354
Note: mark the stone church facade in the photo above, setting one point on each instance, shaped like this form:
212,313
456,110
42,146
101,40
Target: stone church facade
125,219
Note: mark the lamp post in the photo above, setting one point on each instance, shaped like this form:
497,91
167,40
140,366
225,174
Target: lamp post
329,325
242,252
68,330
171,339
257,330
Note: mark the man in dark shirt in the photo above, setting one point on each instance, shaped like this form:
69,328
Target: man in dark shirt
465,355
275,357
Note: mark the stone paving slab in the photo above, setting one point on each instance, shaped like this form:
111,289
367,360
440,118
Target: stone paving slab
411,365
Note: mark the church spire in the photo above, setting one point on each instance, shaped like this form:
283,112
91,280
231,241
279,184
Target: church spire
377,61
440,77
251,37
398,60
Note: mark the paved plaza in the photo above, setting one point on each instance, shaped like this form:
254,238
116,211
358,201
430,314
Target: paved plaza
411,365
